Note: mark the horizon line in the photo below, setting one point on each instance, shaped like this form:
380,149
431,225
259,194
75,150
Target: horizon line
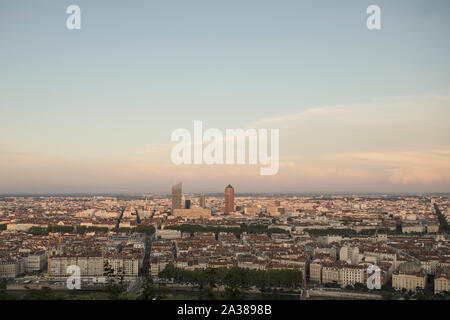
290,193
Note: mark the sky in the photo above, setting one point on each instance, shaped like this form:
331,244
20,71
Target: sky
92,110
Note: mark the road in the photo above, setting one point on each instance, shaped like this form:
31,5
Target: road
136,285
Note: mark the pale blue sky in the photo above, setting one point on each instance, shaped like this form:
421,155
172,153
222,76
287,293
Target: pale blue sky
137,70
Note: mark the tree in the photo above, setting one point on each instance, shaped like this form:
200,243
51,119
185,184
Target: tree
115,282
233,293
147,229
3,284
3,294
169,272
149,290
44,293
207,288
161,291
387,288
333,284
236,280
360,287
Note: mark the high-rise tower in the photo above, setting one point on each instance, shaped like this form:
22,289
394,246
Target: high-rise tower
229,199
202,201
177,196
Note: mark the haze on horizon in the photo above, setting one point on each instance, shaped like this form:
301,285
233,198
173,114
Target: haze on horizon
92,110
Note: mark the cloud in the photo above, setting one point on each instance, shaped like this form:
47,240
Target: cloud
397,145
395,111
401,167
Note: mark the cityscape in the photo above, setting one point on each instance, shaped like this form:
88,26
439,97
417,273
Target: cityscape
201,246
204,159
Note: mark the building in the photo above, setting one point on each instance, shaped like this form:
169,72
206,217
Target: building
409,276
35,261
192,212
159,264
187,204
252,211
202,201
129,266
177,196
442,280
229,199
90,266
167,234
10,268
433,228
352,274
349,255
413,228
327,239
408,280
331,273
315,271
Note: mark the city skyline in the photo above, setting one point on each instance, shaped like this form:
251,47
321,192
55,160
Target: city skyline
224,156
328,247
218,192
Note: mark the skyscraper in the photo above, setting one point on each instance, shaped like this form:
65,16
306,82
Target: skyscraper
229,199
202,201
176,196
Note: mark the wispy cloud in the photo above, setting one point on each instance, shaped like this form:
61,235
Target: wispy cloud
397,145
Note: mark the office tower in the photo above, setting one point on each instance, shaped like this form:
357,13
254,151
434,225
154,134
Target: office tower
187,204
176,197
229,199
202,201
